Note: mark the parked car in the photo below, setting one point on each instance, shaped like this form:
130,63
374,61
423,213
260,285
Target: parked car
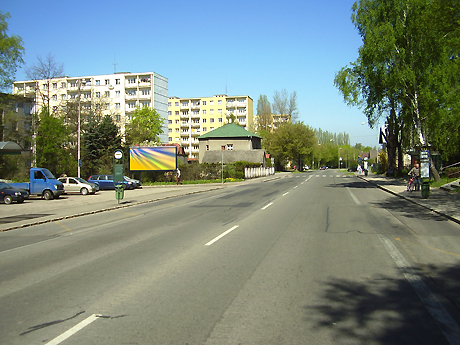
106,182
136,183
353,168
78,185
8,194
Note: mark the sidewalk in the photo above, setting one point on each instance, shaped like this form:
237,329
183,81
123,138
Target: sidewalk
439,201
37,211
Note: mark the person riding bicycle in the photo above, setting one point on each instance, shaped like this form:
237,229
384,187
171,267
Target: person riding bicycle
415,173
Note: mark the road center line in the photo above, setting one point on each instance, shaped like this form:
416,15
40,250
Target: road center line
221,235
448,325
267,206
286,193
67,334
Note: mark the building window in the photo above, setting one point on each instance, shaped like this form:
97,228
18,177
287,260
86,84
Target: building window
169,104
87,95
204,120
219,111
117,94
146,104
131,80
63,85
98,94
169,113
211,102
107,94
219,101
203,102
177,130
211,111
107,106
204,129
219,120
107,82
204,112
132,105
170,139
184,104
117,81
176,112
176,104
54,97
54,85
207,147
117,105
169,130
63,97
118,118
211,128
98,82
211,120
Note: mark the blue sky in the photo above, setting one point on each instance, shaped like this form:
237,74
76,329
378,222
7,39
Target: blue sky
206,48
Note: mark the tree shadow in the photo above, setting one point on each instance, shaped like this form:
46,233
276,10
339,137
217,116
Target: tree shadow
385,310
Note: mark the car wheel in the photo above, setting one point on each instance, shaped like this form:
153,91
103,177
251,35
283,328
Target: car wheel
20,201
47,195
7,199
84,191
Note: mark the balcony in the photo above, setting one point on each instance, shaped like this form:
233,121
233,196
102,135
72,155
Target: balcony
184,124
195,124
195,115
184,116
184,106
196,132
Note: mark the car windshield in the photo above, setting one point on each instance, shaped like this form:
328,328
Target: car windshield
4,185
48,174
79,179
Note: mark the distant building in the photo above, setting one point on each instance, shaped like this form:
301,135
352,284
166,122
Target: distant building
114,94
232,143
273,122
188,118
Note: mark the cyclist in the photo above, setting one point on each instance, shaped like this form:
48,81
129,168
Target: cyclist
415,174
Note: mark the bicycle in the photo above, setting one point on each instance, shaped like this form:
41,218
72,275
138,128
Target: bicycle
413,184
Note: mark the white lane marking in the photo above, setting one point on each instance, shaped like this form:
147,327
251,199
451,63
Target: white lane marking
449,327
67,334
267,206
286,193
221,235
355,199
296,187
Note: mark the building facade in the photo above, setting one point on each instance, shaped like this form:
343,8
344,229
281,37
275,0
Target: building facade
114,94
188,118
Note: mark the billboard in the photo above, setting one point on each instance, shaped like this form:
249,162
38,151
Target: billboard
161,158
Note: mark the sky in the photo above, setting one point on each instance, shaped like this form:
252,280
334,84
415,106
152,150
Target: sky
206,48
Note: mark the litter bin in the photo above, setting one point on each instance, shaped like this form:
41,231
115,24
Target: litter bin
119,192
425,189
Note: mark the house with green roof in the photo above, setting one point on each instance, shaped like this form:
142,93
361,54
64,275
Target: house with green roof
232,143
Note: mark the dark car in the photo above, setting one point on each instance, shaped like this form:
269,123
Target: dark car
136,183
106,182
9,194
353,168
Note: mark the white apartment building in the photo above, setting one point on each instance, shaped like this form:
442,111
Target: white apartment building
188,118
116,94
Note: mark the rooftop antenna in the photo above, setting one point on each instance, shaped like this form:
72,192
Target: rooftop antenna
114,66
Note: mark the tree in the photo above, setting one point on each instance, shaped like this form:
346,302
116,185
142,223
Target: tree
145,126
44,71
11,51
51,141
285,104
405,68
264,115
291,142
100,140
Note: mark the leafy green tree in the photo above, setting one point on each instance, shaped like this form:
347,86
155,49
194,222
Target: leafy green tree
51,141
145,127
100,140
11,51
406,68
291,142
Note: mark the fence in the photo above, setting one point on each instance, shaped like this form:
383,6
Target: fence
258,172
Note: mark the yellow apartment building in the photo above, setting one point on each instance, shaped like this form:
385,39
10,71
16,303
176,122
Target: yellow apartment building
188,118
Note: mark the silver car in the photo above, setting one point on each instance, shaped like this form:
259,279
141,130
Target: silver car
78,185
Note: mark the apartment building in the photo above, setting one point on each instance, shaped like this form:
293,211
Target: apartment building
188,118
116,94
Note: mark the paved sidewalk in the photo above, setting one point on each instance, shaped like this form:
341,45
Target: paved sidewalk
439,201
37,211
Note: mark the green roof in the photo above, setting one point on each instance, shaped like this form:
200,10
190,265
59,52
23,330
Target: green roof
229,130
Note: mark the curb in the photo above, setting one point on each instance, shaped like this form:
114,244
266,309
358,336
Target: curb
411,200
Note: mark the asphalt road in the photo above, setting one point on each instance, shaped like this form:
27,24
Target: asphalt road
314,258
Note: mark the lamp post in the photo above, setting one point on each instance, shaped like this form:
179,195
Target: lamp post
79,127
338,158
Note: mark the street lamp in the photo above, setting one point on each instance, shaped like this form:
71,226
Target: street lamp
79,126
338,158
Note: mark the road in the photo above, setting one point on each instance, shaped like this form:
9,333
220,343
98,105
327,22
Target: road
313,258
